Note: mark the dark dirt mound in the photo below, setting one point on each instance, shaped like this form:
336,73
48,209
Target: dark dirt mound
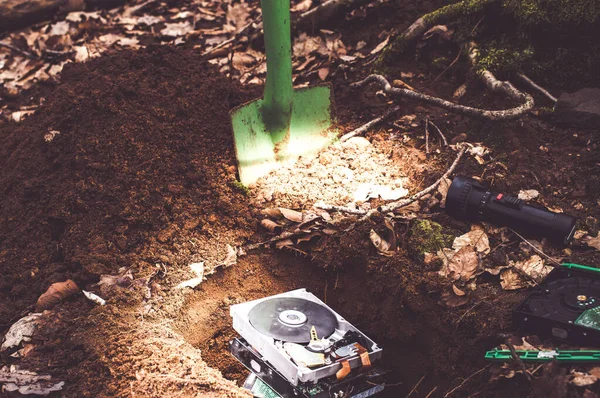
130,152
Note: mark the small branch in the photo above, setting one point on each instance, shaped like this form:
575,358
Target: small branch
492,83
534,85
415,387
465,380
394,205
341,209
235,37
431,392
18,50
426,136
439,132
404,202
516,358
365,127
552,260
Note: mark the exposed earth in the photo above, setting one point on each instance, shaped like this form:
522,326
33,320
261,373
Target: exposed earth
128,170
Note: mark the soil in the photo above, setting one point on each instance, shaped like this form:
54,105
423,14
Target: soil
141,177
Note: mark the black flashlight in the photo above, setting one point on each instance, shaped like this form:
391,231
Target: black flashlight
469,200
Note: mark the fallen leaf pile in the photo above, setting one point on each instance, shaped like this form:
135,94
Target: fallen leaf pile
228,34
24,382
465,261
295,229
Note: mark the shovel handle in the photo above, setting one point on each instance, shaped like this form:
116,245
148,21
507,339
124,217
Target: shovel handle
277,100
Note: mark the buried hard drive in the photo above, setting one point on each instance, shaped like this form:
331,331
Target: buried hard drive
296,346
566,305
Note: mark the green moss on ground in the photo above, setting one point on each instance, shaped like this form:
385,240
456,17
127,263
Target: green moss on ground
556,12
427,237
553,41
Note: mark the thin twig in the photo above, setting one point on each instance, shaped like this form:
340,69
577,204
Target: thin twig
426,136
431,392
365,127
447,68
440,133
404,202
534,85
18,50
489,79
234,37
415,387
341,209
516,358
465,380
553,260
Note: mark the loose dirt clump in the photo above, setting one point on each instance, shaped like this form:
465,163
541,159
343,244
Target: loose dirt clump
129,164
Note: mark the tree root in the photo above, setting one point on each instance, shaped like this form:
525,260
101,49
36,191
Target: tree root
491,83
365,127
535,86
426,22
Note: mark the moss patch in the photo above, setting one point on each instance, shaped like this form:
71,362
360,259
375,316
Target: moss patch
427,237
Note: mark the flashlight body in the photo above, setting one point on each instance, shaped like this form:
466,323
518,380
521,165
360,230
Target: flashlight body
469,200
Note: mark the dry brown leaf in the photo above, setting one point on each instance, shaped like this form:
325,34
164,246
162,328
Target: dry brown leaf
198,270
476,238
284,243
533,267
56,293
462,264
303,6
230,258
304,45
451,300
271,226
20,332
238,16
457,291
177,29
380,244
380,46
59,29
272,212
243,61
81,53
323,73
439,30
511,280
19,116
460,91
309,237
582,379
292,215
528,194
592,241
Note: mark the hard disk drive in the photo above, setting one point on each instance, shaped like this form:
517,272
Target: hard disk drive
297,346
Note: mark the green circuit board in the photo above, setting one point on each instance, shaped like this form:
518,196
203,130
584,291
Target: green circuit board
589,318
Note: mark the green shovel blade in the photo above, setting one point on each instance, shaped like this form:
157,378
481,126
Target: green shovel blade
309,131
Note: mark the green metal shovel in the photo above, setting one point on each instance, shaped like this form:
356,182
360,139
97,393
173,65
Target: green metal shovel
285,123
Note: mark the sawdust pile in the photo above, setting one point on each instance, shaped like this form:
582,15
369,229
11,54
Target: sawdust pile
346,173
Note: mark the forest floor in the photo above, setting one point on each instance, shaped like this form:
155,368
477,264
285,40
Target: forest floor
124,174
